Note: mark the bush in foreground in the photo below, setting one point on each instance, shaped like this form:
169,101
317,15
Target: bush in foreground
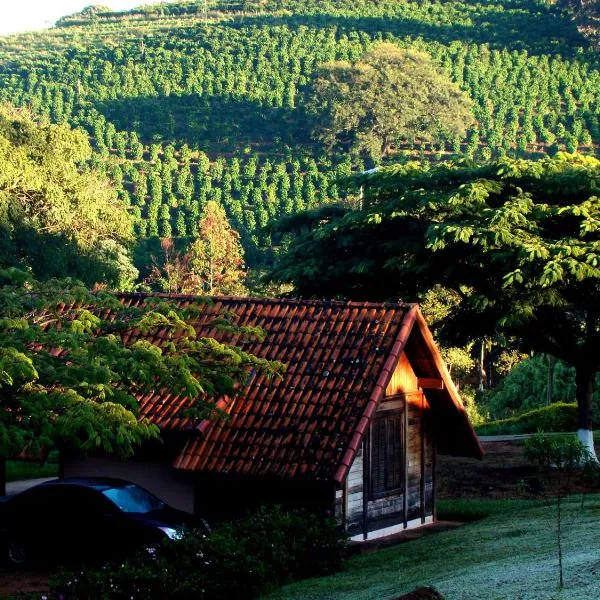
242,559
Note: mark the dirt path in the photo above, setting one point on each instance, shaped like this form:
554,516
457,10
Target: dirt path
503,473
25,582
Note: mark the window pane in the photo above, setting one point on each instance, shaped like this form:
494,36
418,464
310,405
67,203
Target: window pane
387,464
133,499
393,451
378,457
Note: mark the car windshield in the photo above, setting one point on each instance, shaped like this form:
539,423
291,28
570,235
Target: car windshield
132,499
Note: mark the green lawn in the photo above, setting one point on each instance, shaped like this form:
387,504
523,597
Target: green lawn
509,555
16,470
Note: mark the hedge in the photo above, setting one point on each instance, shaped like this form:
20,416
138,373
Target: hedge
557,417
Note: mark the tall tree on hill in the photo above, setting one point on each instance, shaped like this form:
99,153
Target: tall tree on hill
389,96
217,257
517,240
58,217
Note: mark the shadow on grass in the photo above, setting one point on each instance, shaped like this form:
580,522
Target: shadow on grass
468,511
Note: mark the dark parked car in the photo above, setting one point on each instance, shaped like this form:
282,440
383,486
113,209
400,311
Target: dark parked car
75,519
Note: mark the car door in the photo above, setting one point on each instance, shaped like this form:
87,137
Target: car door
102,532
65,523
59,522
38,519
101,526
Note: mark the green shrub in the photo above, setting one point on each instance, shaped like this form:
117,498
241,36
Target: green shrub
558,452
243,559
553,418
473,408
18,469
525,387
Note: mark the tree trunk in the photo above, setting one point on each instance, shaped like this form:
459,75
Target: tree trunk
385,146
551,366
481,385
584,379
561,575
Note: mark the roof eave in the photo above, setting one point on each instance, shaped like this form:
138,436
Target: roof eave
476,451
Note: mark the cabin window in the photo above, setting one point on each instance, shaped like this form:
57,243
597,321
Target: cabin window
387,460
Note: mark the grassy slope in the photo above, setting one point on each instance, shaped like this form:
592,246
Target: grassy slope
509,555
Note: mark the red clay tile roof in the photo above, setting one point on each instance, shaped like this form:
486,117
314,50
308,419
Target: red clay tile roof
308,424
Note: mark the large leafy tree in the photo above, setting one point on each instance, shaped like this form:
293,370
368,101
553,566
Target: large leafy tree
74,363
389,96
57,216
518,241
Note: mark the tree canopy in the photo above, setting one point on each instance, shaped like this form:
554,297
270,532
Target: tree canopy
57,216
391,95
174,123
71,372
212,263
517,240
172,272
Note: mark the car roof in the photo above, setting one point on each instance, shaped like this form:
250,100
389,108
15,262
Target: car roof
95,483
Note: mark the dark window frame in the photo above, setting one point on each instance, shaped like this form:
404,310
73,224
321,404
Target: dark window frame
384,481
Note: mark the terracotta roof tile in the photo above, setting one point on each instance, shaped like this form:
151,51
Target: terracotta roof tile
301,425
308,424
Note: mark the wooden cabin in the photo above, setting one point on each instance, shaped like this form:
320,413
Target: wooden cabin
352,428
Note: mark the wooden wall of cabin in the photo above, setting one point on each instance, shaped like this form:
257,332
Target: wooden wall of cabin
417,484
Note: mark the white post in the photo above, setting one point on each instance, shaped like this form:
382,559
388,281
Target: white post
586,437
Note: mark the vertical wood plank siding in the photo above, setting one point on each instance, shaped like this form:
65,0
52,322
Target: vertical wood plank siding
403,379
433,480
345,504
406,457
416,499
365,483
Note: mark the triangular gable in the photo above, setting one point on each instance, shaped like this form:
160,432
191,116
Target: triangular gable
377,394
453,432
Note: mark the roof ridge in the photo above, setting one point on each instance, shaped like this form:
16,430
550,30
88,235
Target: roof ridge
267,300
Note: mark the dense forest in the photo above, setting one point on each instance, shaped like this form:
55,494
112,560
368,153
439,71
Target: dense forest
206,100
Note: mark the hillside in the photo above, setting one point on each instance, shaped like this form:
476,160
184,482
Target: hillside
192,101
